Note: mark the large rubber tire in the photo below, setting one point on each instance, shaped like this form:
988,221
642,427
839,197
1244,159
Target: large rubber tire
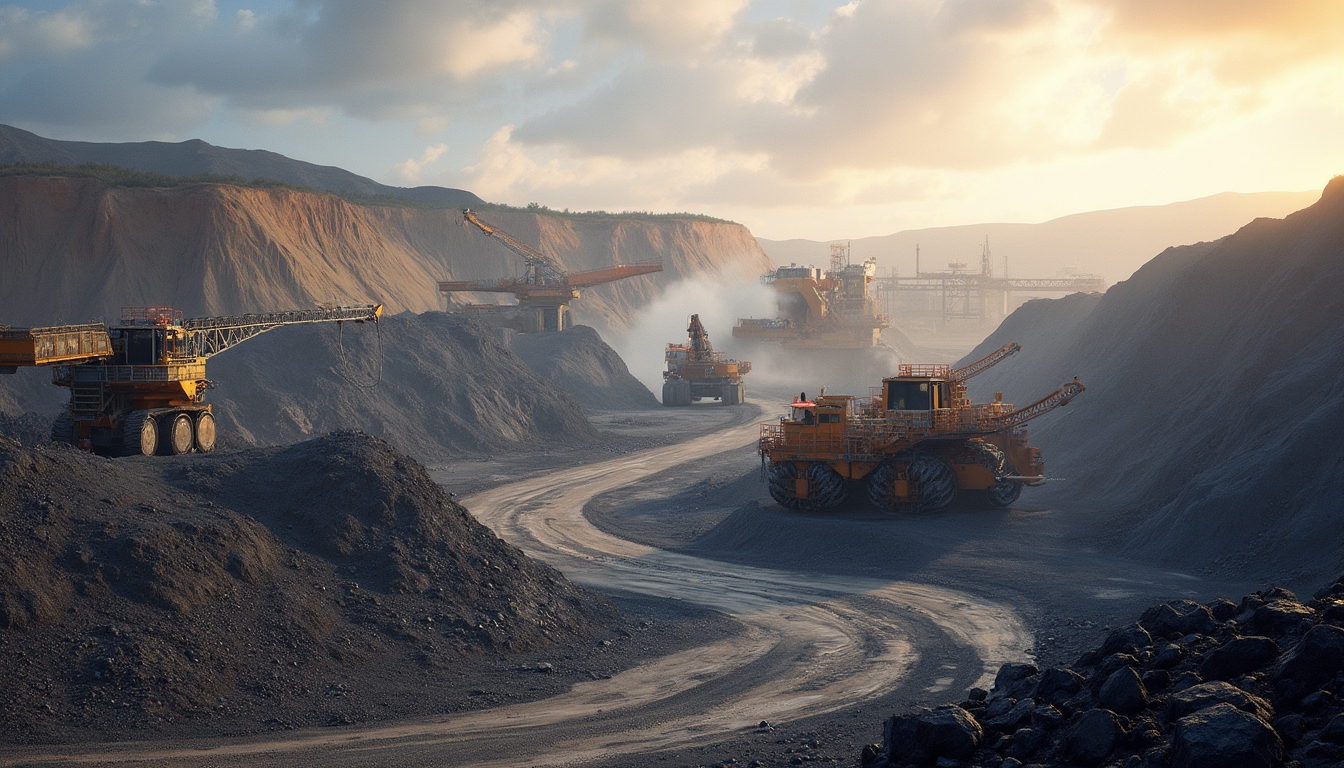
205,432
781,481
1004,493
880,482
676,393
139,434
826,488
176,437
933,483
729,395
63,429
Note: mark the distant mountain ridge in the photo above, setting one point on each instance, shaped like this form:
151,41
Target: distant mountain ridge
188,158
1112,243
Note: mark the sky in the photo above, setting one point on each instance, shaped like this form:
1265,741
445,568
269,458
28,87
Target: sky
798,118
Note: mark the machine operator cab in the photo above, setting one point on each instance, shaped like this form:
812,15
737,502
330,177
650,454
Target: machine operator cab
918,388
825,418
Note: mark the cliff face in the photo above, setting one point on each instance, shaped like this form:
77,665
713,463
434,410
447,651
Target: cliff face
72,249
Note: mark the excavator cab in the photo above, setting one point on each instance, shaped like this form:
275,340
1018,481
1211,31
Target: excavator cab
917,394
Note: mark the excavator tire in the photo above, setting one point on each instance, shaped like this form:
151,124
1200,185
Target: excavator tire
676,393
1004,493
827,488
933,483
781,480
63,429
139,434
177,437
732,394
205,432
880,482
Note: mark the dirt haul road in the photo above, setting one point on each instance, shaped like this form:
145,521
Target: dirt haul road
813,644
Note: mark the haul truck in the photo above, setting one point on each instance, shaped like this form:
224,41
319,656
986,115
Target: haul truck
139,387
916,443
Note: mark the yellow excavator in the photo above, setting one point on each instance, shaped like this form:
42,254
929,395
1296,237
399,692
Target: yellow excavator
138,388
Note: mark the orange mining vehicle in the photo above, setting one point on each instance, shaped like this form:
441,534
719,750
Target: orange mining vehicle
916,442
544,290
139,387
696,372
832,309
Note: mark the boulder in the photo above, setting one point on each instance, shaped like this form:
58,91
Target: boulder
1156,680
1014,718
1281,617
1316,659
1046,718
1026,742
1237,657
1207,695
1057,684
1177,619
1093,736
1013,681
1130,639
1222,736
1123,693
1167,656
923,737
1333,731
1223,609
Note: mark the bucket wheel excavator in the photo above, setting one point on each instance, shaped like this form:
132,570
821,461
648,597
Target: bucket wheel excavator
544,290
917,444
138,388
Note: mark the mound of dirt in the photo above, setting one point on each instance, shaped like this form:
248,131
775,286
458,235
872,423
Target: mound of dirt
1248,684
581,363
142,593
430,384
1210,428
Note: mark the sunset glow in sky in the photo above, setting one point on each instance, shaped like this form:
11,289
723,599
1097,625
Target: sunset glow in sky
799,118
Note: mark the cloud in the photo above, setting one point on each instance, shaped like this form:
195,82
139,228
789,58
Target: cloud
409,171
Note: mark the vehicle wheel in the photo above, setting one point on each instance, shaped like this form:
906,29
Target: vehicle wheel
827,488
63,429
668,394
205,432
175,438
880,484
1004,493
139,434
729,395
933,483
781,479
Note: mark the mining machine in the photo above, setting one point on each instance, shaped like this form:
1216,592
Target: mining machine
696,372
821,309
917,442
139,387
544,290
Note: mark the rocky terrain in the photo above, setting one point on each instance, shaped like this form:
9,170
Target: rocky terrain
1208,436
580,363
272,588
1252,684
433,384
76,248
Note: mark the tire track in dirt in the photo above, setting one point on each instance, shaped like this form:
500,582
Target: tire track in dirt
813,644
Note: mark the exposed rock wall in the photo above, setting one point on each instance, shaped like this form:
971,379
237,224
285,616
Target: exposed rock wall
73,249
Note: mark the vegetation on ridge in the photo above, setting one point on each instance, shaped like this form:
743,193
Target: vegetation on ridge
118,176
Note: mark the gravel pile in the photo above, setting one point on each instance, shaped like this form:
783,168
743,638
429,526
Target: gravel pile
1253,684
578,361
313,584
1209,434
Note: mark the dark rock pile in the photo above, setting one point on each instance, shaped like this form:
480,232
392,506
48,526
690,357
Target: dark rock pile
1222,685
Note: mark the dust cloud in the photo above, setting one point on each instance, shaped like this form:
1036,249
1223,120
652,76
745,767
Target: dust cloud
719,300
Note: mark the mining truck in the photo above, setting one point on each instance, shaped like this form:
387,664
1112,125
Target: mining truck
139,387
917,443
696,372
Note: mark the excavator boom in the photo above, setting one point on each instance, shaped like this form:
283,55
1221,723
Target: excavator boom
618,272
986,362
53,345
208,336
1066,392
546,269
